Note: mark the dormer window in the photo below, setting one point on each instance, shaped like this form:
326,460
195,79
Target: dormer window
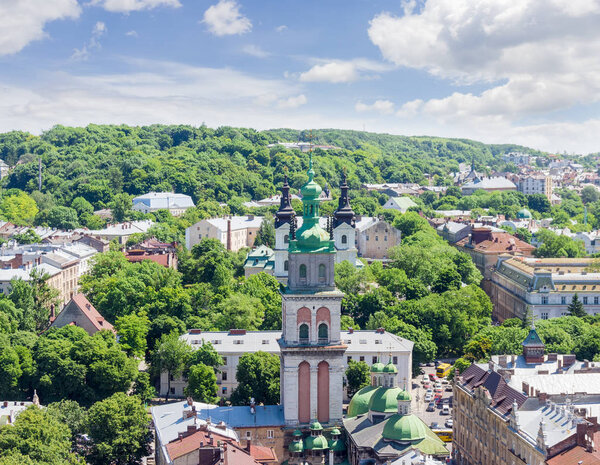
302,271
286,239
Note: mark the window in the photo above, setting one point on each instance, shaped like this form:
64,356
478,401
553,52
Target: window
270,434
286,239
323,333
224,360
544,315
265,341
224,376
286,265
224,391
545,300
385,238
595,300
373,359
303,271
172,390
348,360
376,238
303,333
563,300
248,434
367,237
344,239
362,358
238,341
585,300
321,272
395,360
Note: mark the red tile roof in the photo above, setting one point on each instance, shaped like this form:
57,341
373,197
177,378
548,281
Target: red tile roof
487,241
91,313
576,455
263,454
180,447
161,259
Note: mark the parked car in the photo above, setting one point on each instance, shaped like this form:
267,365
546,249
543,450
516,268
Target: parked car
445,410
448,423
434,425
427,385
431,407
445,381
428,397
448,388
431,376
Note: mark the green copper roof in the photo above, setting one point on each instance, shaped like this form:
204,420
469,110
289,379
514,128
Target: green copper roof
404,428
404,396
315,443
524,214
337,445
296,446
297,433
359,404
533,339
335,432
377,367
385,400
390,368
310,190
316,426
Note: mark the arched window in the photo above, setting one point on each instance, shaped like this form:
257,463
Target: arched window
303,271
344,239
286,265
303,333
286,239
323,333
322,271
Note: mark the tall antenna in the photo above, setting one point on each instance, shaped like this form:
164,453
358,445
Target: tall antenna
40,174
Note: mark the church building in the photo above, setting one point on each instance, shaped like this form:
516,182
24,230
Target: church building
312,353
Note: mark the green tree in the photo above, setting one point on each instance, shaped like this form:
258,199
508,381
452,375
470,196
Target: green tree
410,223
358,376
143,387
27,237
258,377
19,208
10,372
71,414
206,355
119,431
538,202
121,207
266,232
447,279
589,194
41,437
202,384
240,311
82,206
61,218
575,308
171,356
133,330
554,246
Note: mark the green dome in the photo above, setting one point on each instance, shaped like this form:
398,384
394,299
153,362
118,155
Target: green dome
385,400
377,367
390,368
359,404
315,443
313,237
335,432
316,426
297,433
524,214
310,190
296,446
404,428
404,396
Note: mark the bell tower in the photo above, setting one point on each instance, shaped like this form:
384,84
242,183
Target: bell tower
312,355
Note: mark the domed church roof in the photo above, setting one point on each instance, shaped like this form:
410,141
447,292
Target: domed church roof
385,400
359,404
404,428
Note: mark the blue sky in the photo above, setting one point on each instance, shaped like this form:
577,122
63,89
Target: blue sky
493,70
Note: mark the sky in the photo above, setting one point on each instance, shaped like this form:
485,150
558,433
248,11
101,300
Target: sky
498,71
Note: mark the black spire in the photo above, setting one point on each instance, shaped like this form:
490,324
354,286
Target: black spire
285,212
344,213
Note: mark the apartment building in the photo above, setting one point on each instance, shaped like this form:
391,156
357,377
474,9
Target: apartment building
374,237
545,286
535,184
234,232
365,346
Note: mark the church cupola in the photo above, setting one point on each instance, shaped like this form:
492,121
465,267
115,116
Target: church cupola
344,212
533,347
285,212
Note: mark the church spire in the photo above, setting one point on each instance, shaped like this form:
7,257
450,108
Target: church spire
285,212
344,212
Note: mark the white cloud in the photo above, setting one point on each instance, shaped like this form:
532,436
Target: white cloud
385,107
292,102
23,21
93,44
281,28
225,18
535,56
131,33
126,6
339,71
255,51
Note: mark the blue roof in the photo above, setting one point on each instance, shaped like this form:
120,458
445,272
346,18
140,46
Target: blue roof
240,416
